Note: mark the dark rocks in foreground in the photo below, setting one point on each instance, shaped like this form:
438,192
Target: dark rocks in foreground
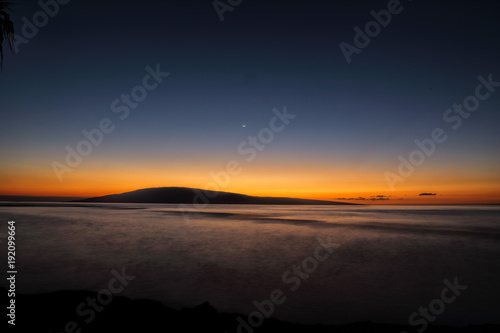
184,195
63,312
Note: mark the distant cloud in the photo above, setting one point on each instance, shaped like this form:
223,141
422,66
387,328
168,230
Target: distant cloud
373,198
358,198
427,194
379,197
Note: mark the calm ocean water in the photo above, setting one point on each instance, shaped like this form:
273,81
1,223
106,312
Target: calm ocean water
391,259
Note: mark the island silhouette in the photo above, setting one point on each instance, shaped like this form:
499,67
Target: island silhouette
186,195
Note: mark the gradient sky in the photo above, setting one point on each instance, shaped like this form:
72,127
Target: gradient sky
352,120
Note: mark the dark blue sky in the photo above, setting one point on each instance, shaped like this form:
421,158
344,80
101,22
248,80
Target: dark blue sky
264,55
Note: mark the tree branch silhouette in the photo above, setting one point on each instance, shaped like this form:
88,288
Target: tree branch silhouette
6,28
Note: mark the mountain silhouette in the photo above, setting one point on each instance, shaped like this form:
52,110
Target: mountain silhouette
185,195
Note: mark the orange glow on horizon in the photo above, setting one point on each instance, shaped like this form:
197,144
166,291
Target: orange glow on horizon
329,181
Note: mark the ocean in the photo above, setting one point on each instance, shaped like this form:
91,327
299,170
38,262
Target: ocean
379,264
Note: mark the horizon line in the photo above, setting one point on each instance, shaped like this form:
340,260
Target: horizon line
4,198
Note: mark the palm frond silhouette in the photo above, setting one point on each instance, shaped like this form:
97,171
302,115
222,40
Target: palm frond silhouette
6,28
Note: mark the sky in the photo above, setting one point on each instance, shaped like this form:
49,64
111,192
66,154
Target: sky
265,98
